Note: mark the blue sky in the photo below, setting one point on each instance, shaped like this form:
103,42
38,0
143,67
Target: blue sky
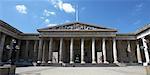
30,15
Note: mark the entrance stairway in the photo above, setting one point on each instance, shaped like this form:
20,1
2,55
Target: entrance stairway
80,65
90,65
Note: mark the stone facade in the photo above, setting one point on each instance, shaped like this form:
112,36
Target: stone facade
76,43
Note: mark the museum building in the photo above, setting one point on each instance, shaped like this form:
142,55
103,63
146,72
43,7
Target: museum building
76,42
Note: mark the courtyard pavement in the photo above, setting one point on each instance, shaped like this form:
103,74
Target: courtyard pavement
129,70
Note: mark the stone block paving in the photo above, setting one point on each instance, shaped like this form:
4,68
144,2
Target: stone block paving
130,70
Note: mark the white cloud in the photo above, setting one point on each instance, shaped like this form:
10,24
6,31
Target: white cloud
56,3
46,21
67,7
67,21
49,25
137,22
42,17
48,13
21,9
139,7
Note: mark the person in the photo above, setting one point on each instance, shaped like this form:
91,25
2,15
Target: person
77,59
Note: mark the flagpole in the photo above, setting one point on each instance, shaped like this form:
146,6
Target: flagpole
77,13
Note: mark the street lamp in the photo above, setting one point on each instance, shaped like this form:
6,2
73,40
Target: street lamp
13,47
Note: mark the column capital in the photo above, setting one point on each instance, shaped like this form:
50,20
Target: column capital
93,38
103,38
61,39
137,42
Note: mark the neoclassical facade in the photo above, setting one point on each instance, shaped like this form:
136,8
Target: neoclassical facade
76,43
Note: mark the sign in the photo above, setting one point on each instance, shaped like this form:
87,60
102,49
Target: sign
99,57
77,27
55,57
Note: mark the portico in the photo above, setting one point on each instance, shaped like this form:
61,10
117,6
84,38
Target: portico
79,43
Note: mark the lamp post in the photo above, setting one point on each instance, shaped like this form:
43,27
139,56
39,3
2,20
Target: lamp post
13,47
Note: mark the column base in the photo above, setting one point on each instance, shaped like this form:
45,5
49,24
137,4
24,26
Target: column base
115,62
71,62
93,62
49,62
38,61
43,62
82,62
140,62
60,62
106,62
145,64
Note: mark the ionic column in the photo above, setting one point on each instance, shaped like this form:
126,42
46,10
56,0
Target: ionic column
50,50
114,51
128,47
40,50
138,52
145,50
43,55
104,50
2,42
35,50
60,50
129,51
71,51
93,51
82,51
26,50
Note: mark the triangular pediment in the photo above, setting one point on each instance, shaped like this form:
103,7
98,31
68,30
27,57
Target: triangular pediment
76,26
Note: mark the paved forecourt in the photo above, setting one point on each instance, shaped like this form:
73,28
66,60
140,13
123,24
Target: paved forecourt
130,70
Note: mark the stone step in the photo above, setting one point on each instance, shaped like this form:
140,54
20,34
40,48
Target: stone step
52,64
29,74
128,64
80,65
